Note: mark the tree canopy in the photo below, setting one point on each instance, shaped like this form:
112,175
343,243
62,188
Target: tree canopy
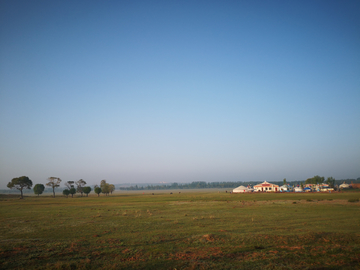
66,192
315,180
80,184
87,190
97,190
39,189
105,187
20,183
54,182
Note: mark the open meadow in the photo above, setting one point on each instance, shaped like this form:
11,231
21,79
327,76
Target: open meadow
187,230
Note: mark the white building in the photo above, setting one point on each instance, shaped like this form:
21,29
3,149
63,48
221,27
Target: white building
266,187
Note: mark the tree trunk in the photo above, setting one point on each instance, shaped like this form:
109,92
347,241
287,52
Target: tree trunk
54,191
21,197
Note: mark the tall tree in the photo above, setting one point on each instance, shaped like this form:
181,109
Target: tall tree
69,184
80,184
39,189
284,181
105,187
54,182
330,181
20,183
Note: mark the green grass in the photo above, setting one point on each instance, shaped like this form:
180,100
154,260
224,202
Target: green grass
191,230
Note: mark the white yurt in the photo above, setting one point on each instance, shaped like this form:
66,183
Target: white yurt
344,185
241,189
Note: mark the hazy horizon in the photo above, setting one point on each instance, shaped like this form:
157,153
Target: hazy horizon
179,91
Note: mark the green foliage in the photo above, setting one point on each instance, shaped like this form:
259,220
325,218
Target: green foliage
66,192
69,184
97,190
330,181
72,191
53,182
20,183
39,189
111,188
80,186
315,180
106,188
87,190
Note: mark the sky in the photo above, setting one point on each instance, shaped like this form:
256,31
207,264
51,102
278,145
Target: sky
179,91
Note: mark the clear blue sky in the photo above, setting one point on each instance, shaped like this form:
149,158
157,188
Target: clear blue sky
179,91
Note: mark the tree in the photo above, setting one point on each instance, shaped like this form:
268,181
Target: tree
69,184
54,182
284,181
80,184
20,183
72,192
111,188
39,189
315,180
66,192
87,190
97,190
105,187
330,181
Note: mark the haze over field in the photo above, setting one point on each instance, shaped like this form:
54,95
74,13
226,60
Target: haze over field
179,91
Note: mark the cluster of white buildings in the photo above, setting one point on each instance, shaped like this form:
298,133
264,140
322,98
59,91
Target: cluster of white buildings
268,187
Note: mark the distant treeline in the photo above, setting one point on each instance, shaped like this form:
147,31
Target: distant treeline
192,185
203,184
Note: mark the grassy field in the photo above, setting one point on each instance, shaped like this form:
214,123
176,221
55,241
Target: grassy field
190,230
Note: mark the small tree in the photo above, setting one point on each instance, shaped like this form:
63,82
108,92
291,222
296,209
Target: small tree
20,183
72,192
97,190
54,182
111,188
284,181
66,192
39,189
79,186
87,190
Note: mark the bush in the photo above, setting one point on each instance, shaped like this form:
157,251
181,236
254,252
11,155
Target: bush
353,200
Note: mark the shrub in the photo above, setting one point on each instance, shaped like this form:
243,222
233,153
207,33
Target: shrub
353,200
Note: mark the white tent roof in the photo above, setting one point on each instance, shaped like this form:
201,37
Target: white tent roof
241,189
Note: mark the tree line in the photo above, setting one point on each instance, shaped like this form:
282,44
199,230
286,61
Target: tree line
72,187
202,184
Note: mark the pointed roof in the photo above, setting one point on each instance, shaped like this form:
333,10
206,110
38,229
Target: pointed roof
265,184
